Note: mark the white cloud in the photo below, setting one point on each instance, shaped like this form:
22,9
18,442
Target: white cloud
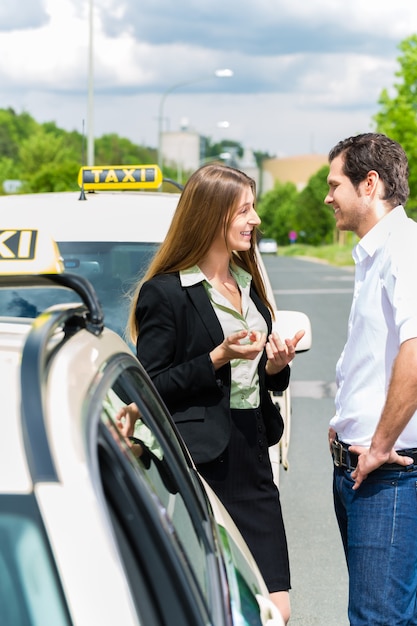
305,73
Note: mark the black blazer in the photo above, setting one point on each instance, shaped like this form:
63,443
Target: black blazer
177,329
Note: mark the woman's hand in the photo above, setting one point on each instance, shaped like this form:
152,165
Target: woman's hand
126,419
246,344
280,353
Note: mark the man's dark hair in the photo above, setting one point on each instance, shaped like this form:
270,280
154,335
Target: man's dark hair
374,151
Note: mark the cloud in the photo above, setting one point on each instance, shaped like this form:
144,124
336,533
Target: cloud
22,15
264,28
313,62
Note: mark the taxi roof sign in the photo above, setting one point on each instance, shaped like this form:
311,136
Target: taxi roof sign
122,177
28,251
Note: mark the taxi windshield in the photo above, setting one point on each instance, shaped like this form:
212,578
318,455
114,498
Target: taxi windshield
113,268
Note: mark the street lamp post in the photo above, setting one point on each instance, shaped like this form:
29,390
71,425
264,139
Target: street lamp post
90,119
222,73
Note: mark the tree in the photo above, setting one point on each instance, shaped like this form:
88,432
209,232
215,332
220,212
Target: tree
397,116
114,150
276,210
46,159
314,220
214,150
13,130
43,148
7,171
53,177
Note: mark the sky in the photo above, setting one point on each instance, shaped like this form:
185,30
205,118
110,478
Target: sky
306,73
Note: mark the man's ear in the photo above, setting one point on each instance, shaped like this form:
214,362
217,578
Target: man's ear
371,182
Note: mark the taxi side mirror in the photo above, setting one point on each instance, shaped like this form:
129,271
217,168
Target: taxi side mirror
287,323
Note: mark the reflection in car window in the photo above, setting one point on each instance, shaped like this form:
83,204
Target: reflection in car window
113,268
161,463
244,580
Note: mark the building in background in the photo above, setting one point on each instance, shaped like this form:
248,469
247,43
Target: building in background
295,169
183,150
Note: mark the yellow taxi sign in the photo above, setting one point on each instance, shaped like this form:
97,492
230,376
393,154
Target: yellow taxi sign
28,251
122,177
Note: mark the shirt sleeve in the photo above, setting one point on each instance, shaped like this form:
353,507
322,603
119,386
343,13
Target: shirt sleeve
399,276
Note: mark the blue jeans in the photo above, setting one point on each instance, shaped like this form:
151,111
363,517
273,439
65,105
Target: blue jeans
378,525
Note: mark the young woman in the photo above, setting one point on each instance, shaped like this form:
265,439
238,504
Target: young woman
202,326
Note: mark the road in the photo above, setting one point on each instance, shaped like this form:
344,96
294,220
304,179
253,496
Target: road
319,575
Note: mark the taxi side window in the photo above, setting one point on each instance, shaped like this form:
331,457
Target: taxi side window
30,593
158,474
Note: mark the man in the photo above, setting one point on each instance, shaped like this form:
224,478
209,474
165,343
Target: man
373,434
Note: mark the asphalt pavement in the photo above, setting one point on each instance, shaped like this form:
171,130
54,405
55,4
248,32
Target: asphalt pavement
318,567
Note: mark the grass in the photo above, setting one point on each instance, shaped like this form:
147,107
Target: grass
335,254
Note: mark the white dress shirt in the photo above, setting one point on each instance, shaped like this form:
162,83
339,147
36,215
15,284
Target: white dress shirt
383,315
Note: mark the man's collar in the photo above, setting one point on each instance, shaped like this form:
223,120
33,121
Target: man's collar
376,237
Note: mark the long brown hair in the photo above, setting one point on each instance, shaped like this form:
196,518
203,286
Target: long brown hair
206,206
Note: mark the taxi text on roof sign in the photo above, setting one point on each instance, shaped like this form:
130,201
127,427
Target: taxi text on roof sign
120,177
28,251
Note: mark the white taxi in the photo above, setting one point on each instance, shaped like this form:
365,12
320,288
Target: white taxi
90,534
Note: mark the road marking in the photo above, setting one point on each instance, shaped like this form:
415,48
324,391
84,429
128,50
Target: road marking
311,291
316,389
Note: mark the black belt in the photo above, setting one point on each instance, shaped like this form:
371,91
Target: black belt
349,460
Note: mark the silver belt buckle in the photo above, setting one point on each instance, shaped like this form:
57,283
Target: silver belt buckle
337,450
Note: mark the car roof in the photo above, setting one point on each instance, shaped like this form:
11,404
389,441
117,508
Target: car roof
102,216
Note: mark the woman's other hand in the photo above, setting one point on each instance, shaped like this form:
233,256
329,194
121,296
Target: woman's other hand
280,353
